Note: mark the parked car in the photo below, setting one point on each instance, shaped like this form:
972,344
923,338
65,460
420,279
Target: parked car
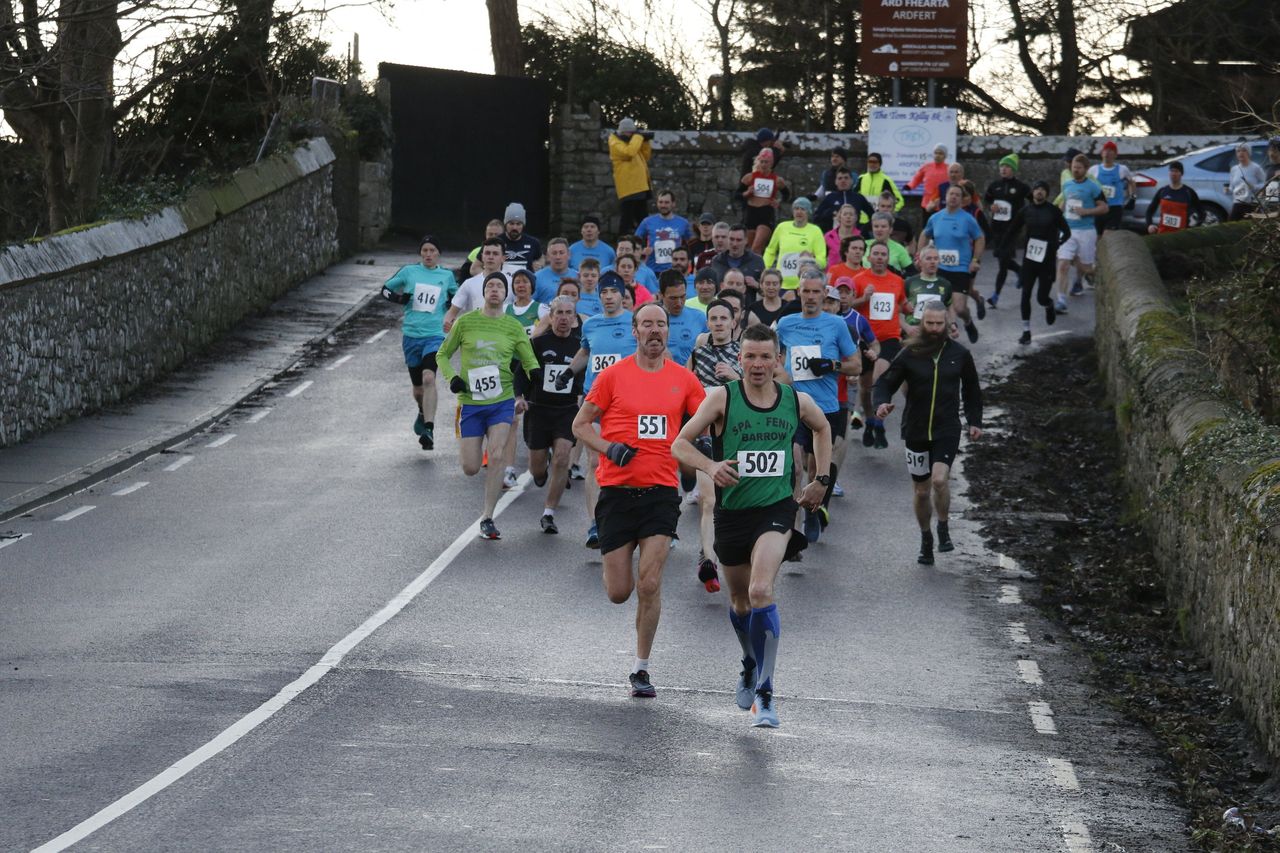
1206,171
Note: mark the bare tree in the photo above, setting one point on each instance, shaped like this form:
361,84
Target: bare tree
504,36
724,14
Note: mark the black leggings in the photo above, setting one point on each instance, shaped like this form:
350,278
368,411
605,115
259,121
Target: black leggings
633,211
1042,275
1007,263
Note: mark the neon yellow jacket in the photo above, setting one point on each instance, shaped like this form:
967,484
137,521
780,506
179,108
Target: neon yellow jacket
630,160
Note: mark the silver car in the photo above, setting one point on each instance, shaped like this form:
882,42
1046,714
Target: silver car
1206,171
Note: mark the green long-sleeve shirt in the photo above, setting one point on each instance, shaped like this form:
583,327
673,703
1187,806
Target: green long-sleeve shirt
486,346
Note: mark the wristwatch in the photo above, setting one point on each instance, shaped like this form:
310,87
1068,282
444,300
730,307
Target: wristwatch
824,479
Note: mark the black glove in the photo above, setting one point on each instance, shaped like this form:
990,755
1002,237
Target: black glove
456,385
398,298
822,366
620,454
564,379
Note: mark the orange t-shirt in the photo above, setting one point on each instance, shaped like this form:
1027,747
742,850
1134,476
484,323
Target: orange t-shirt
842,270
882,309
645,410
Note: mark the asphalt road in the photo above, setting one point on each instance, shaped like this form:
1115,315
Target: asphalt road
923,709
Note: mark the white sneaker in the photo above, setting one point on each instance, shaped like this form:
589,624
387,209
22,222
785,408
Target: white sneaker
509,479
692,498
837,491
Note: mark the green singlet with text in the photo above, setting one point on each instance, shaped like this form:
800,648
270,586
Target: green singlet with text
760,441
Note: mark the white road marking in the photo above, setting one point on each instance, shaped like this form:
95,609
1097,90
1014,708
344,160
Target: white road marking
128,490
1064,774
6,541
287,694
1029,672
75,513
377,337
1077,837
1042,718
1018,632
257,416
1008,563
218,442
1053,334
339,362
178,463
300,388
1010,594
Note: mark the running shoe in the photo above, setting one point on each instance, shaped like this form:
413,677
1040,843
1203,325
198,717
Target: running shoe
763,713
1087,281
428,441
925,558
824,517
575,472
1050,314
708,575
837,491
1077,289
1060,306
944,538
812,526
593,537
489,530
882,440
980,304
641,688
745,691
972,331
994,300
549,524
419,426
509,479
1017,283
856,419
868,436
692,497
1026,337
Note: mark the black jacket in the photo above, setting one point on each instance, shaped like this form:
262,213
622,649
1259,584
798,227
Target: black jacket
935,388
825,214
1042,222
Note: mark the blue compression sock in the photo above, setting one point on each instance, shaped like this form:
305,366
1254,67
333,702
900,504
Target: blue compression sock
741,627
765,630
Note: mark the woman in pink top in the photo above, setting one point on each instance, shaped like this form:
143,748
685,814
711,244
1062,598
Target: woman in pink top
846,226
932,175
625,266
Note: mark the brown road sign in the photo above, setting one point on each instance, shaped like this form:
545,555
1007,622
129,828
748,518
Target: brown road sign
915,38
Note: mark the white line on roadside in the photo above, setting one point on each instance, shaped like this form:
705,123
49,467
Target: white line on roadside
1018,632
377,337
218,442
128,490
6,541
287,694
339,362
1053,334
1064,774
1008,563
1010,594
75,513
1077,837
300,388
1029,672
257,416
1042,718
178,463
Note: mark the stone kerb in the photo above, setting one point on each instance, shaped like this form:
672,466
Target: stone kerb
1206,477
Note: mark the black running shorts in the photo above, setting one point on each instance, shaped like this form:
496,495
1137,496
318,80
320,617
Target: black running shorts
839,421
738,529
923,455
625,515
544,424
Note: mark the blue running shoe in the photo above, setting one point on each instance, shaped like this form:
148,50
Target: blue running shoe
763,712
419,426
812,526
745,692
593,537
641,688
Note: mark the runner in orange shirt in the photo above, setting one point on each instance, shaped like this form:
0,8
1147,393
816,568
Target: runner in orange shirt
879,296
640,402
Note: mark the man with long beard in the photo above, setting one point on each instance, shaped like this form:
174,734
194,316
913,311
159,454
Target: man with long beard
939,374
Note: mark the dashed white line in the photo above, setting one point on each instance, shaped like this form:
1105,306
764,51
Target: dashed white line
1076,835
128,490
339,362
1064,774
178,463
257,416
300,388
377,337
1010,594
1018,632
1029,672
287,694
218,442
6,541
75,513
1042,718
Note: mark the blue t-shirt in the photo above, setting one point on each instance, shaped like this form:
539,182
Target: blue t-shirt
1078,194
663,236
589,304
690,292
546,282
860,328
953,233
804,338
1112,182
607,341
684,329
601,251
431,291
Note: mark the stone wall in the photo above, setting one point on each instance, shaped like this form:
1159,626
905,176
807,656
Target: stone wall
703,166
88,316
1206,477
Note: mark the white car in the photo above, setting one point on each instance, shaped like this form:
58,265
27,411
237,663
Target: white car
1206,171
